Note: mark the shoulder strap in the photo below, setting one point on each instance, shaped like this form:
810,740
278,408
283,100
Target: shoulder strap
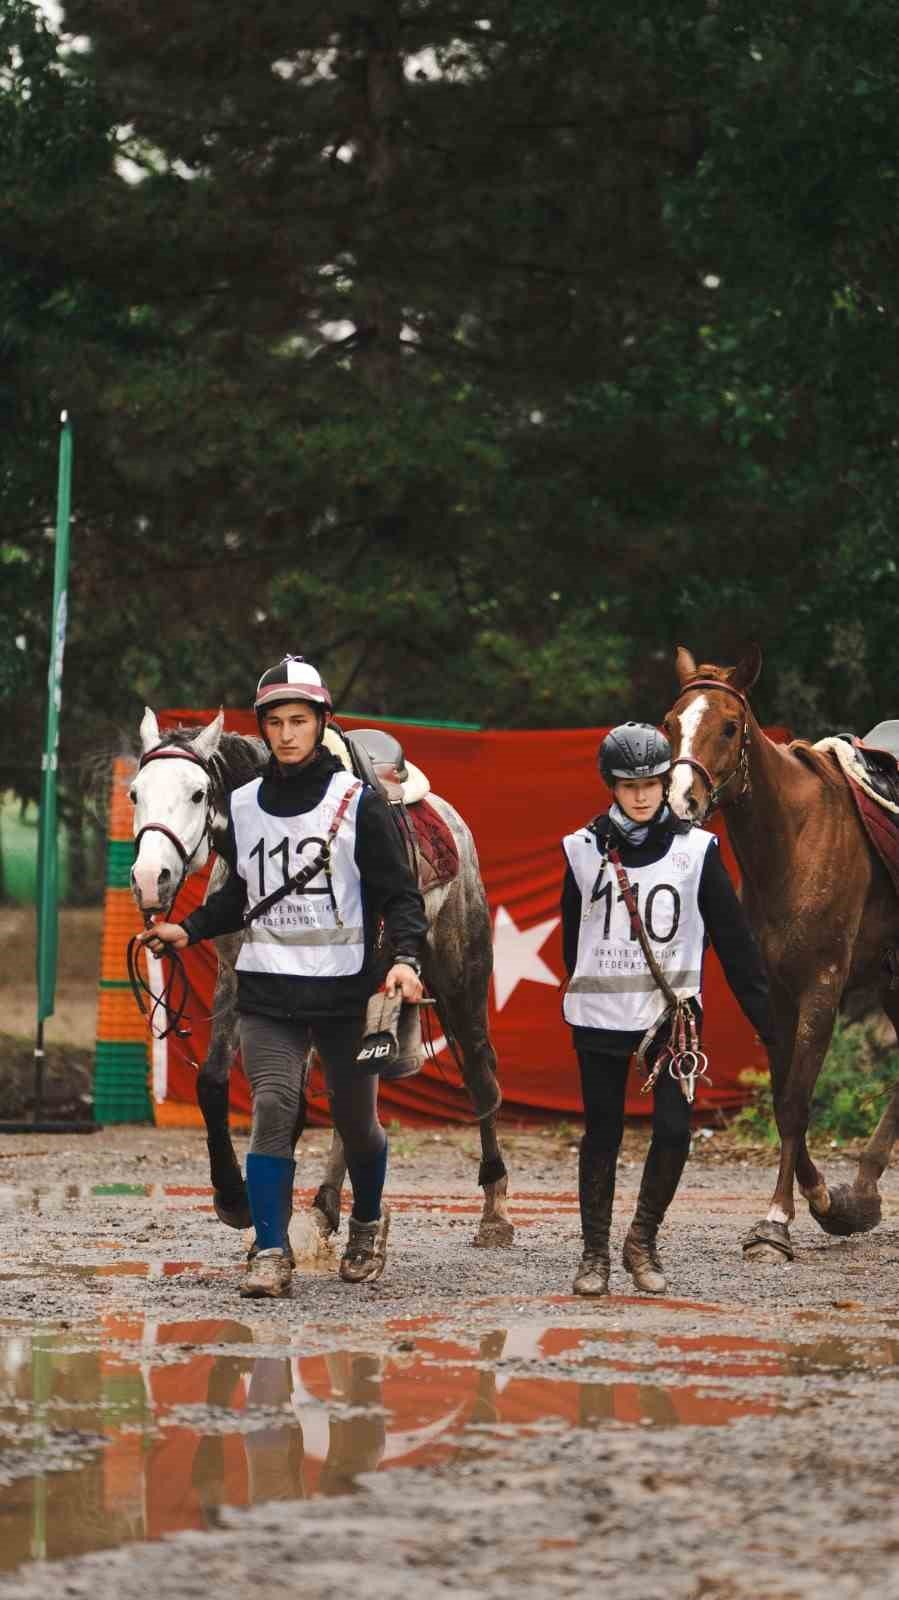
638,930
306,874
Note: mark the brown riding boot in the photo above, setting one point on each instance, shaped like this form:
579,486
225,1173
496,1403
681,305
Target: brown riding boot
268,1275
366,1249
596,1190
661,1176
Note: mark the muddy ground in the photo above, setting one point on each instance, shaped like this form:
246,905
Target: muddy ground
466,1427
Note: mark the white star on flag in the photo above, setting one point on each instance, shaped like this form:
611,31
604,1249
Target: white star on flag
516,959
516,955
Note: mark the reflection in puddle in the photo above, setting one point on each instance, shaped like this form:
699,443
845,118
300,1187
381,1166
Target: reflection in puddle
140,1429
41,1199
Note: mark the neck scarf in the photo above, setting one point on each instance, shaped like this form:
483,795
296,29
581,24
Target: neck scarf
635,833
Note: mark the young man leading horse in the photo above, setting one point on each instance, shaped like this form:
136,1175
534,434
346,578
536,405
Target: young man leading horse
309,962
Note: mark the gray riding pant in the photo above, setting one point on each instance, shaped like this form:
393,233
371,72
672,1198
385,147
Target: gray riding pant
275,1053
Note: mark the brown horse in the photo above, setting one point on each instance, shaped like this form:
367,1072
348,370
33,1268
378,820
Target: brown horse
822,906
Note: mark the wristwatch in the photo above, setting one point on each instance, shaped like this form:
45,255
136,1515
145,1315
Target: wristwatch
409,961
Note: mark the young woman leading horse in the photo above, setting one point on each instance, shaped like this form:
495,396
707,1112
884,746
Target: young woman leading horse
822,907
643,895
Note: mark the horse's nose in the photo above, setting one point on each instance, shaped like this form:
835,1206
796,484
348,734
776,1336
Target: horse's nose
146,883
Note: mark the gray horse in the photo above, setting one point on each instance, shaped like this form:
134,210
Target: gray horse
180,812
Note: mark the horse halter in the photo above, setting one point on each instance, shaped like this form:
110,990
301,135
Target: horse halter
163,753
741,770
172,1002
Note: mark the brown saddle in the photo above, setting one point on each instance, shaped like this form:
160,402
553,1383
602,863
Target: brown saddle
379,759
878,755
883,740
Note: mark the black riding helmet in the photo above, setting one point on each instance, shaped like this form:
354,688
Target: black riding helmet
292,679
634,750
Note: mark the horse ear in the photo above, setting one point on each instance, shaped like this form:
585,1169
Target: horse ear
149,731
745,673
207,742
686,666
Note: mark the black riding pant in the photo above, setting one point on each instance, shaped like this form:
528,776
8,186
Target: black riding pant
275,1055
603,1085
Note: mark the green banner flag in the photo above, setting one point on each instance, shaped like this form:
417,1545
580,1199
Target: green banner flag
47,850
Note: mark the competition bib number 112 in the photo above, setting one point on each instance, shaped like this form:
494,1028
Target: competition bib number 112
282,852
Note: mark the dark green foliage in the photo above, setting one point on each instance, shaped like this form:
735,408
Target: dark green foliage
480,363
855,1082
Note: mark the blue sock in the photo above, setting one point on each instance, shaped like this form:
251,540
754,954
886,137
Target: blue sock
367,1177
270,1193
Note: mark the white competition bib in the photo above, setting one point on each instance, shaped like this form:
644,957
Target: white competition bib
300,936
612,986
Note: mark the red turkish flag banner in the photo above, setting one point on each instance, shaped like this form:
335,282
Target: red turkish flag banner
520,793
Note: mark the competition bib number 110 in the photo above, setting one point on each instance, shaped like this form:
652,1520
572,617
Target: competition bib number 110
667,911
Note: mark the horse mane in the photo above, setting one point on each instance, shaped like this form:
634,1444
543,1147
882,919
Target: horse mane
708,669
239,758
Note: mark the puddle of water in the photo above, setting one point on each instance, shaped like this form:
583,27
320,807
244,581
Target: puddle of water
117,1269
138,1429
525,1209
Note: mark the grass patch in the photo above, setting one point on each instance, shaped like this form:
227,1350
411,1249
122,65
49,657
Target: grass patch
855,1082
403,1141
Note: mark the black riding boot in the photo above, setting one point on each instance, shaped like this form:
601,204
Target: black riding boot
596,1190
661,1176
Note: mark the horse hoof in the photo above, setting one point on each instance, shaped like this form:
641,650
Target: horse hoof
851,1211
494,1233
768,1242
232,1210
235,1215
327,1206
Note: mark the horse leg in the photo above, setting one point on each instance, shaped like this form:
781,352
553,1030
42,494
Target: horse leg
811,1182
457,967
856,1207
769,1240
463,1015
229,1194
495,1228
326,1205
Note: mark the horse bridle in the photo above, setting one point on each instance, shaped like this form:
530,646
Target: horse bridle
741,770
163,753
172,1002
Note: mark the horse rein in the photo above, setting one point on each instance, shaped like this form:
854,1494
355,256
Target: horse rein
741,770
175,990
186,857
